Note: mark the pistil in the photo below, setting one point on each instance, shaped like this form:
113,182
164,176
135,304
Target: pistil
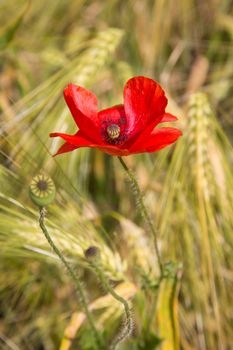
113,131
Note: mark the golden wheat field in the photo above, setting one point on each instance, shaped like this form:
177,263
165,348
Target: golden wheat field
124,241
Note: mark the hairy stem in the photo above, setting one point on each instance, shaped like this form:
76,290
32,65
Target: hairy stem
143,211
75,278
128,327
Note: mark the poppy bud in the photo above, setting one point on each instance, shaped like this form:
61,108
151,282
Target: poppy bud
42,190
92,253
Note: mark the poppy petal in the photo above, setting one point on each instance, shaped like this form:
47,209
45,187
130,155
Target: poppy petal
144,102
167,117
115,151
78,140
83,106
112,114
157,140
66,147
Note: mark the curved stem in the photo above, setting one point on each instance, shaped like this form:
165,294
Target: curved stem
127,329
143,211
75,278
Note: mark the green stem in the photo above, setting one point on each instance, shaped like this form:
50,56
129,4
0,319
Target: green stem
127,329
143,211
75,278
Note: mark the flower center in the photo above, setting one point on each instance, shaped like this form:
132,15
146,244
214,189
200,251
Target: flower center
42,185
113,131
42,190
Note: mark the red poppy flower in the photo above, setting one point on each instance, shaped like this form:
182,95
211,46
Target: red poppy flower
123,129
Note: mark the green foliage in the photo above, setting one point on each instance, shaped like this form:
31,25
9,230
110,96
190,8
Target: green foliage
150,342
7,34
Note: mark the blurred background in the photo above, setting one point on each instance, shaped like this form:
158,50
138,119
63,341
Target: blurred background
186,45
